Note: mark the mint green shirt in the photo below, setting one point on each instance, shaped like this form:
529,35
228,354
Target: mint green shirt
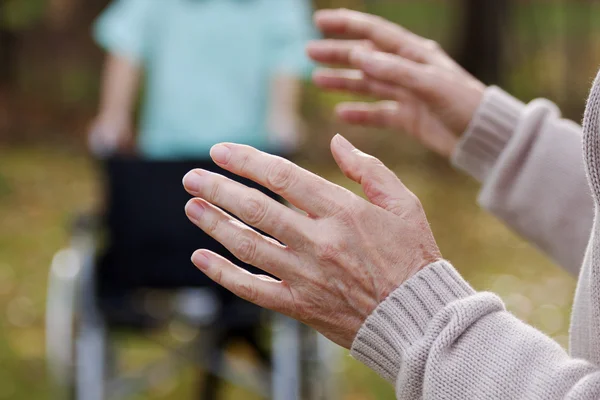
208,66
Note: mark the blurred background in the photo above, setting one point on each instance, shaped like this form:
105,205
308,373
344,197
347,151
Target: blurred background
50,71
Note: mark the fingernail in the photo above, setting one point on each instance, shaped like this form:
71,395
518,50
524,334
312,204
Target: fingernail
192,181
344,143
194,209
200,260
220,154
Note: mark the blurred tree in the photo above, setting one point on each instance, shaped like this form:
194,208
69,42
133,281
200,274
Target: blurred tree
351,4
8,47
577,46
16,17
483,38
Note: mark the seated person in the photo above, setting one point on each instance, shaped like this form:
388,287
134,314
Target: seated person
213,70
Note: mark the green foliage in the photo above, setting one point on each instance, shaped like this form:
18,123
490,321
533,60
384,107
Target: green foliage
41,188
17,15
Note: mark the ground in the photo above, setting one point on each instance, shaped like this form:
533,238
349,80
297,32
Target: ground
41,189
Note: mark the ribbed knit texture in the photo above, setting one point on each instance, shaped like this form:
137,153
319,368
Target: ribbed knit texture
487,134
585,322
403,318
435,338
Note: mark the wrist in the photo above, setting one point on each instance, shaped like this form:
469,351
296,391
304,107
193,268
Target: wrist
400,321
493,124
114,116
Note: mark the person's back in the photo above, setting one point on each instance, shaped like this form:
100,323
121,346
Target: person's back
214,70
209,67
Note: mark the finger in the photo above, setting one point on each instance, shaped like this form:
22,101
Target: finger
258,289
243,242
384,34
354,81
394,69
381,186
303,189
383,114
334,51
250,205
350,80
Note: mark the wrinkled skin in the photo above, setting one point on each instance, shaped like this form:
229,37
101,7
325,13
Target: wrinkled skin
423,92
336,262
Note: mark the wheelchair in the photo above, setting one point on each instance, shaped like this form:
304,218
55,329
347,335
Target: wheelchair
128,271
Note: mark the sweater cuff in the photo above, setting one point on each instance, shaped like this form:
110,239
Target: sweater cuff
403,317
488,133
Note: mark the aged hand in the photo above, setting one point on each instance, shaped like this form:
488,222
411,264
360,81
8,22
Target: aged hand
335,263
423,91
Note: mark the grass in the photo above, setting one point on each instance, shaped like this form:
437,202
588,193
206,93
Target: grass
41,189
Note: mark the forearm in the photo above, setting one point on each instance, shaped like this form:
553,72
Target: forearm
434,337
285,94
283,116
120,85
530,162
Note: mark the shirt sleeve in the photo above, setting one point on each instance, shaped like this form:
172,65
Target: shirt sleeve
290,30
123,28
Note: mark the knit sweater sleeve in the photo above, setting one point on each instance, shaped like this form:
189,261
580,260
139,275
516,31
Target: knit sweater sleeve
530,163
435,338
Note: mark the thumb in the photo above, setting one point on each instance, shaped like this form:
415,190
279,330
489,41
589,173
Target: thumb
381,186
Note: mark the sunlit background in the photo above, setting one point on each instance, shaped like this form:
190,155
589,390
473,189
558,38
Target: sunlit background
49,81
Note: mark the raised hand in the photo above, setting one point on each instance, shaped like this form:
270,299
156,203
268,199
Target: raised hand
335,263
422,90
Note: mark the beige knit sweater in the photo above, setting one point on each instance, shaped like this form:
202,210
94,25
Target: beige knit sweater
436,338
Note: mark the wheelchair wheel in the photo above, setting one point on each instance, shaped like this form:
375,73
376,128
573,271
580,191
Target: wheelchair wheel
75,335
78,351
60,319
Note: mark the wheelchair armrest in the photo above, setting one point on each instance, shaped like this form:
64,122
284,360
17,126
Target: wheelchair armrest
84,231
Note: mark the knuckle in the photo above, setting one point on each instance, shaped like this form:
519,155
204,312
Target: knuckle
395,207
375,162
218,277
387,71
247,291
431,45
245,248
372,189
254,210
214,191
304,311
410,205
213,226
424,82
280,175
414,200
412,78
378,21
328,250
244,161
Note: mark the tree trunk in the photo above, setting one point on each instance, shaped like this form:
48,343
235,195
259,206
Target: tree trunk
484,38
8,49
